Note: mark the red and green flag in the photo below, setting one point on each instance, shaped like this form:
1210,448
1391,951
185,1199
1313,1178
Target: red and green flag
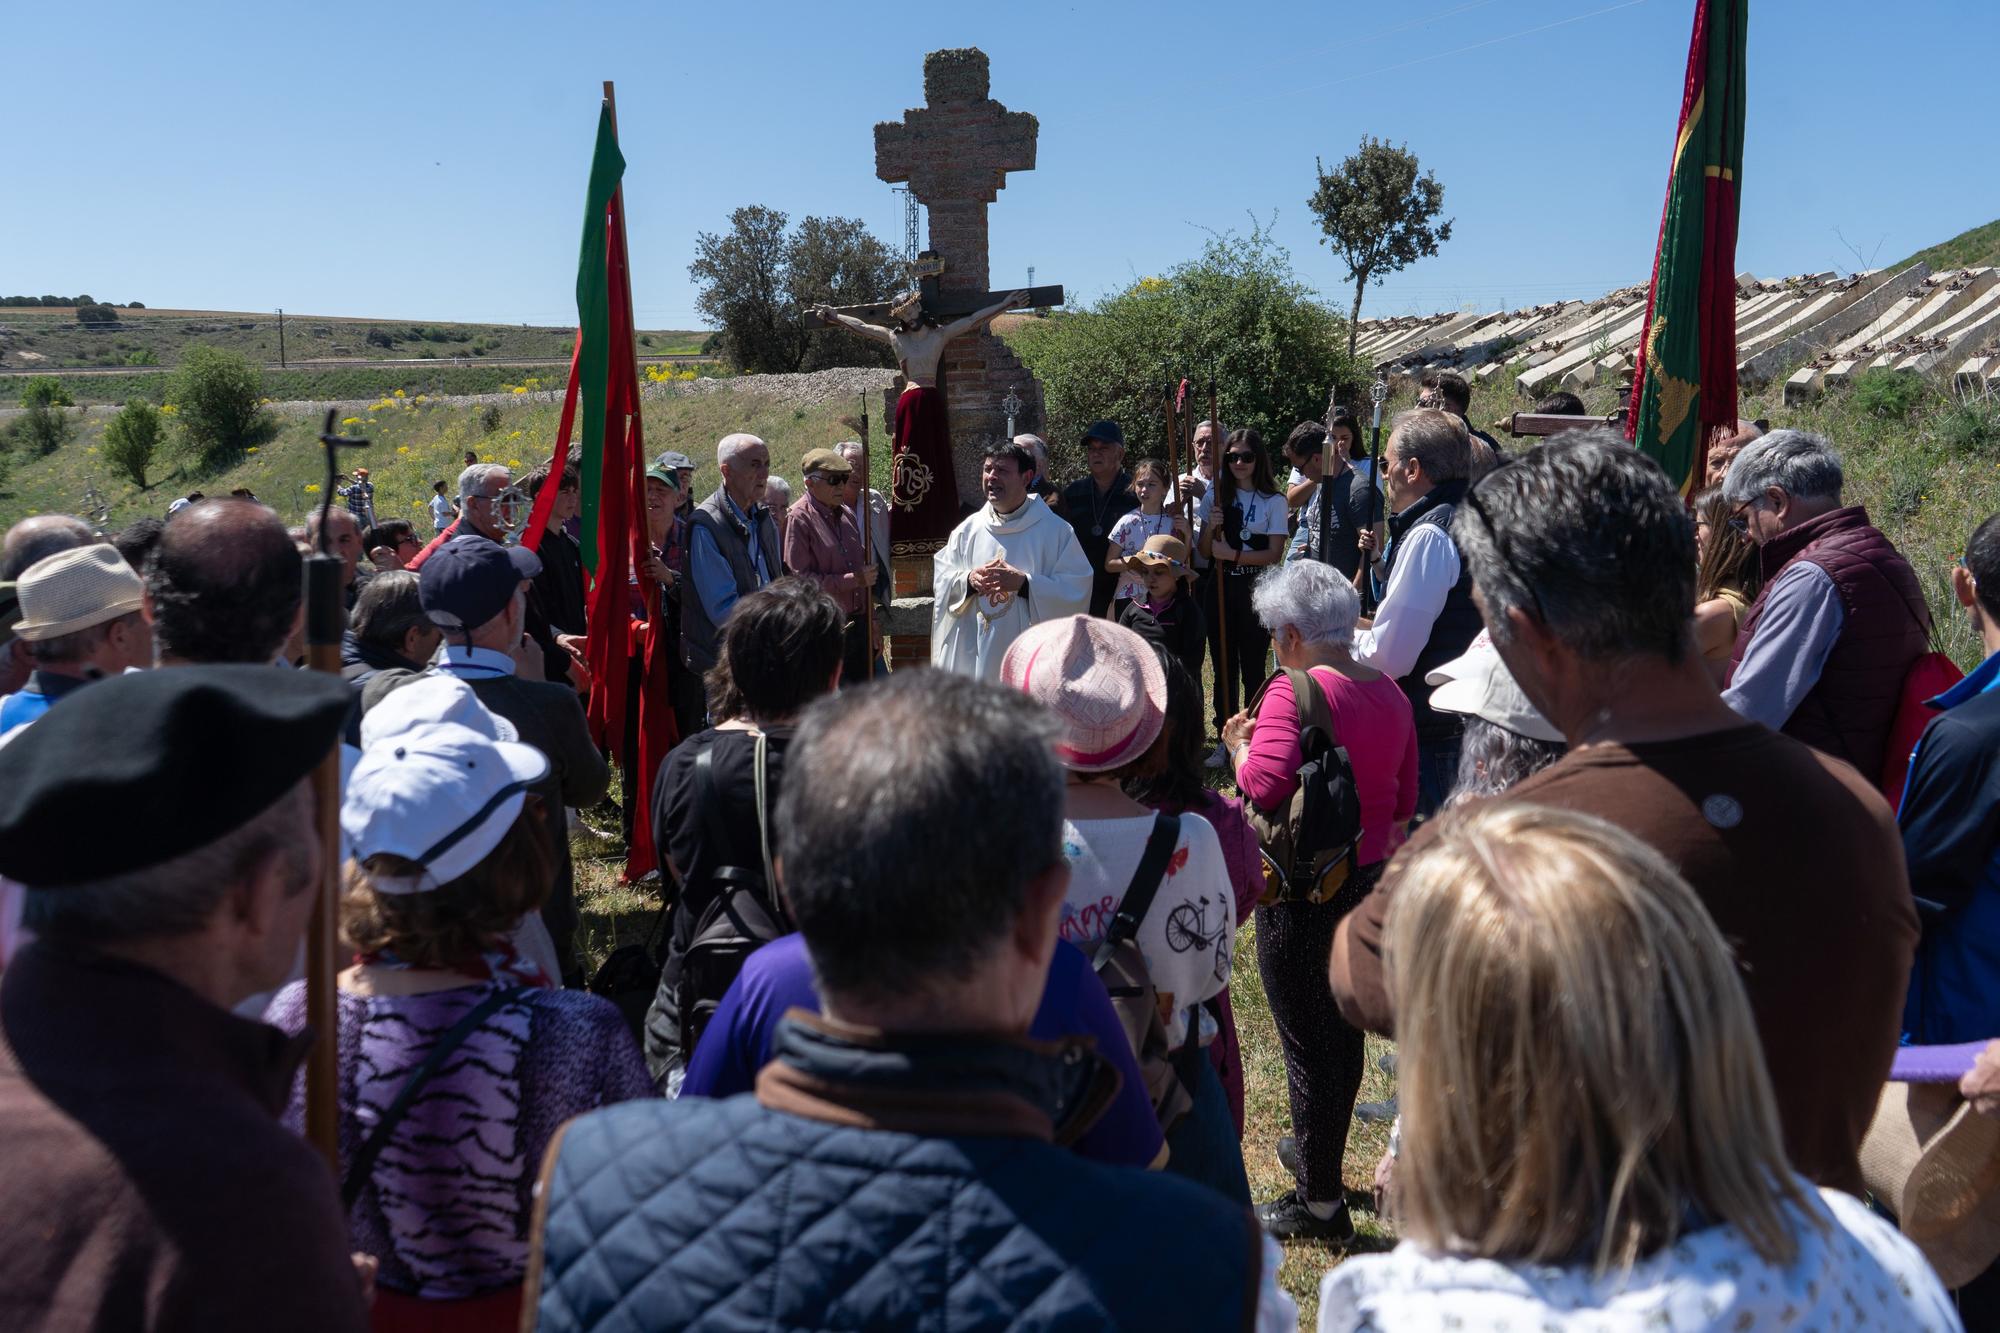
625,625
1684,382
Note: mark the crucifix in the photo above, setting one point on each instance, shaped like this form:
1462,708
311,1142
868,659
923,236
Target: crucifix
954,152
1012,404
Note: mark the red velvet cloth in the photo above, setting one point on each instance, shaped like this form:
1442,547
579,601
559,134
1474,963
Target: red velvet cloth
496,1312
923,492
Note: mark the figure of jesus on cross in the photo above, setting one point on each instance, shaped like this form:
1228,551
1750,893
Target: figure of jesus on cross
923,433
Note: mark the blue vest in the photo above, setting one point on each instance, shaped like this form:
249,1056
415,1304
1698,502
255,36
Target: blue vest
1458,621
733,1215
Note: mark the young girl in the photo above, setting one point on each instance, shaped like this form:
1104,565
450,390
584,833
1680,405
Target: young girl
1245,532
1160,566
1129,533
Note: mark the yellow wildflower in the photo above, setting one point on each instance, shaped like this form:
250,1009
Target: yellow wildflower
397,394
519,388
350,421
513,434
513,462
251,450
402,448
168,409
312,488
91,450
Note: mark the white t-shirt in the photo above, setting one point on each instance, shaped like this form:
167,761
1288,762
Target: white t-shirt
1128,534
1859,1273
1263,513
1191,926
440,513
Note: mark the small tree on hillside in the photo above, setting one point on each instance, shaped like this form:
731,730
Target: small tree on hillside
131,440
756,280
96,314
1377,213
1237,315
46,390
215,396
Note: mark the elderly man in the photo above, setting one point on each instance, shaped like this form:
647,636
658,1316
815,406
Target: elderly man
83,617
1583,553
150,1184
343,538
732,547
476,592
1094,503
777,497
823,544
388,631
1426,616
909,1131
37,538
1715,468
876,533
480,487
1841,618
1011,565
227,585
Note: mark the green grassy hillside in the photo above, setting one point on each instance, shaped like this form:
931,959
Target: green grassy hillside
41,339
1969,249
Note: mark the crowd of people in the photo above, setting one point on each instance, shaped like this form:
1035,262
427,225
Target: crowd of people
1649,828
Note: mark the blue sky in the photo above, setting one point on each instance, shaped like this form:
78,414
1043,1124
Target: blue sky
427,161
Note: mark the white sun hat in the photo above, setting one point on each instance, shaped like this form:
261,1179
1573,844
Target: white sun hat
441,795
1477,683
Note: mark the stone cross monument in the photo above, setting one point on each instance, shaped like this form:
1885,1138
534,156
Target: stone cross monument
955,152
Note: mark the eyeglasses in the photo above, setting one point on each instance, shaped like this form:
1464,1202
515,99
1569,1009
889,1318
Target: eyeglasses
1739,522
1242,458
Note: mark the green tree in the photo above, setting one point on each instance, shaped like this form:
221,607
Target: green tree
1379,215
42,427
757,279
46,390
1238,317
93,313
131,440
215,396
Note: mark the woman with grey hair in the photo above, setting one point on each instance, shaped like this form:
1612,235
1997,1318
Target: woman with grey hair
1310,611
1507,740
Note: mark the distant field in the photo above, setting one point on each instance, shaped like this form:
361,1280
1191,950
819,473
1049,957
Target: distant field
351,383
33,338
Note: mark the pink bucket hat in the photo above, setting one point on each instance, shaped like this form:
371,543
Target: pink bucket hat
1102,682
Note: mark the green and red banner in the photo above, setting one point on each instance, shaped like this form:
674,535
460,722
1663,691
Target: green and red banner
625,623
1684,382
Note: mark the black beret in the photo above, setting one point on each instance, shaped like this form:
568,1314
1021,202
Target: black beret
140,768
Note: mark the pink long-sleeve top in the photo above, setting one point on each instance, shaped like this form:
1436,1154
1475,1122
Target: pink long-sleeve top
1372,720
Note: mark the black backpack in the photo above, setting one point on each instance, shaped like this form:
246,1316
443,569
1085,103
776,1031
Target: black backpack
1309,845
744,914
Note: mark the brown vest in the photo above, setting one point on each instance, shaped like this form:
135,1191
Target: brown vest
1886,628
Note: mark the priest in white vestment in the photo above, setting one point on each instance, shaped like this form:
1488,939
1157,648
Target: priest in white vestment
1011,565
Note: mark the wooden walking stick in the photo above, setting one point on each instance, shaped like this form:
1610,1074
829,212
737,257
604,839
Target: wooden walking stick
1222,683
864,510
326,620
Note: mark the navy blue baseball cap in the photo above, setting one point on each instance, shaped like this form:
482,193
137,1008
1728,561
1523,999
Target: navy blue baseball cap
1106,431
470,579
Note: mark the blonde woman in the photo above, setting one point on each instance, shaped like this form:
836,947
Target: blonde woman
1588,1136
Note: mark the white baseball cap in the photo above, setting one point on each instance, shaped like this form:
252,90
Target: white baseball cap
1478,683
433,697
439,794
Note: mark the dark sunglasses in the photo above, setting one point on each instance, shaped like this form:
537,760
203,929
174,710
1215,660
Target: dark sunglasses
1506,556
1242,458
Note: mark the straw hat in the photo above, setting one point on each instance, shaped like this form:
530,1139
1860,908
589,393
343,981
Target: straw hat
1161,551
1102,682
75,589
1935,1163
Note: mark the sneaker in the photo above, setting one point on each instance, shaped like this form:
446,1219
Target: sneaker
1219,758
1288,1155
1374,1113
1288,1218
1387,1064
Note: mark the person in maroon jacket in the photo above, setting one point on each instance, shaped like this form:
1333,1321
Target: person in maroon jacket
1841,619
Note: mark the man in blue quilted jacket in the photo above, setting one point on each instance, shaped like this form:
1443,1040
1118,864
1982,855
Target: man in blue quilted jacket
898,1165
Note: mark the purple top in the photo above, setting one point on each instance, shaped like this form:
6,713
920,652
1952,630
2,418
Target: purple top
1934,1064
447,1207
737,1042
